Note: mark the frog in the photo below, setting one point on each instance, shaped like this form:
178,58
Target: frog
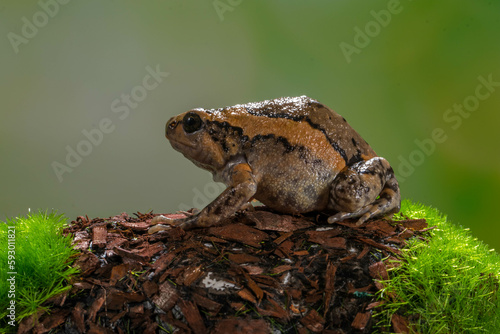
293,154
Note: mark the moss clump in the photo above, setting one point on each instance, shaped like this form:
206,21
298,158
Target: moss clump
446,284
34,252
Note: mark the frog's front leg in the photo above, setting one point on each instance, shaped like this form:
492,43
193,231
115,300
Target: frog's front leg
240,191
366,189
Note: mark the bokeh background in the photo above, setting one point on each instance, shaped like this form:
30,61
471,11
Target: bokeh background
394,69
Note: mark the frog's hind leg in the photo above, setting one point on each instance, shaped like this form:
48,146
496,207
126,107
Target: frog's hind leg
389,201
366,189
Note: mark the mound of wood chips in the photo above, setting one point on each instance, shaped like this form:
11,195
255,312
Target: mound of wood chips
262,272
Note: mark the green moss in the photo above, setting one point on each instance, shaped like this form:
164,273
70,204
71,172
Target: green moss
40,263
446,284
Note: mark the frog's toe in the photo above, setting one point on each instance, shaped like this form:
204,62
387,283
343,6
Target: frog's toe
159,227
340,216
364,214
161,219
335,218
363,218
169,223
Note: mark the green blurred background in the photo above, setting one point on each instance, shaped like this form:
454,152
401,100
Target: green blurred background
395,70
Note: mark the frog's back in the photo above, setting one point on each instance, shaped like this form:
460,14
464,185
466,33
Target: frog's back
343,138
300,121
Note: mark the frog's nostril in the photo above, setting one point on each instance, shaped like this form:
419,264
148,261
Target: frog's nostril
170,127
172,124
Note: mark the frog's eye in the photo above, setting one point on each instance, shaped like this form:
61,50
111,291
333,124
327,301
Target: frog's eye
191,122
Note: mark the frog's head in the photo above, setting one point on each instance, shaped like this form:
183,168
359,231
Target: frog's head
189,134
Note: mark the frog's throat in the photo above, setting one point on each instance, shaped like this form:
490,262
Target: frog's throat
183,146
196,153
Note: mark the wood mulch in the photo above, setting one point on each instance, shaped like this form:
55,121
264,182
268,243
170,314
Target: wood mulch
261,273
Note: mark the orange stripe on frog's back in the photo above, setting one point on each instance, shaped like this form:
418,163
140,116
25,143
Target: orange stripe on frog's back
297,134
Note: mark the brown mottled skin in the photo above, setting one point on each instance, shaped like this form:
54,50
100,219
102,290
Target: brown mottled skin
293,154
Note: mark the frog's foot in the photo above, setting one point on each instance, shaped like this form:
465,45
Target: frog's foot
340,216
161,227
158,228
365,190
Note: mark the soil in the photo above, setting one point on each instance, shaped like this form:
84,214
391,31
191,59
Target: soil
260,272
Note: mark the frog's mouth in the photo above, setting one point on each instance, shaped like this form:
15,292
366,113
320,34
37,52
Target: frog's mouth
184,146
198,155
190,150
